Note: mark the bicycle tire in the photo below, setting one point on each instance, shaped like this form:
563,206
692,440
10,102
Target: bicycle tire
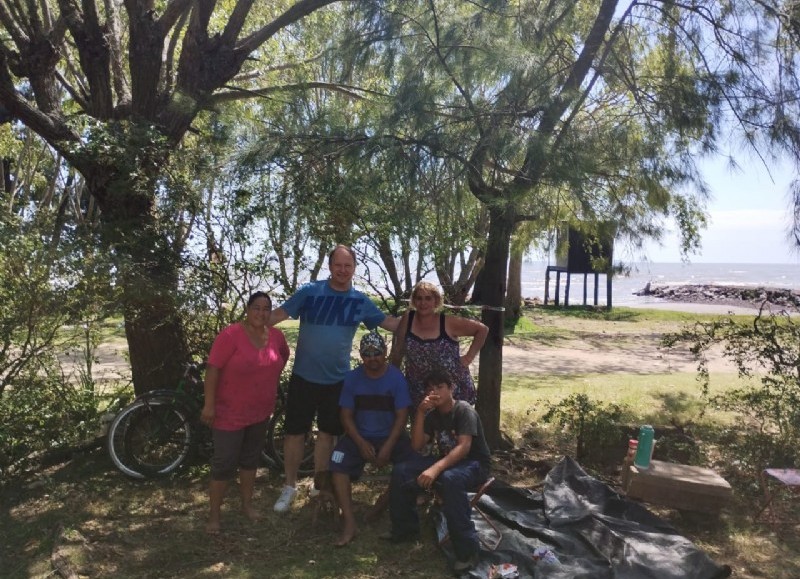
115,442
159,438
272,454
152,438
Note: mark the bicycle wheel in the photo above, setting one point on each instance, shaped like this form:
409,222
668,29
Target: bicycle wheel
273,446
158,438
115,442
153,438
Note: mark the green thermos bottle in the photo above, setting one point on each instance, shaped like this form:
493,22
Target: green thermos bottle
644,450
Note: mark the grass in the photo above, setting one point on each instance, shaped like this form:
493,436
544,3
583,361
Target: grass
657,399
624,314
110,329
674,397
107,525
86,513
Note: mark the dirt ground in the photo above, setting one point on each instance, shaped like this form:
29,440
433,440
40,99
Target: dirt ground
610,349
590,353
602,354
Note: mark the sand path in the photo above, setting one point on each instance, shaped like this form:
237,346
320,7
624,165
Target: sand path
599,354
609,348
590,347
593,354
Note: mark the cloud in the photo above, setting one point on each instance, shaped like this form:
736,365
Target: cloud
735,236
773,219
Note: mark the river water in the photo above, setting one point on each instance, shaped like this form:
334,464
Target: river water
623,287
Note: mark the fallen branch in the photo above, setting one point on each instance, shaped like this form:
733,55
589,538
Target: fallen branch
42,459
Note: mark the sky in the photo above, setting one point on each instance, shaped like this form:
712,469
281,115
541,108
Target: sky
749,217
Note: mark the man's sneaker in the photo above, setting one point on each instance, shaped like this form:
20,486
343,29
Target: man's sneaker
460,567
285,500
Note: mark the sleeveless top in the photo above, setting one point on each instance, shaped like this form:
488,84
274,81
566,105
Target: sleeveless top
423,355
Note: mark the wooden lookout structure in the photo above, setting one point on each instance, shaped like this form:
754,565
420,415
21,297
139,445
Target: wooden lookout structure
585,254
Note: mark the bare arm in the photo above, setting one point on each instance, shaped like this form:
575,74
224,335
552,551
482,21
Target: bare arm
399,341
390,323
285,352
207,415
349,424
399,425
459,453
418,437
457,327
277,316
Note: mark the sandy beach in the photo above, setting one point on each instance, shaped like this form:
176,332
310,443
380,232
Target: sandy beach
611,348
697,308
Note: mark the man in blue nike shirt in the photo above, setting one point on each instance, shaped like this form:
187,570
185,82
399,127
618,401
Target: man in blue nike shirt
329,311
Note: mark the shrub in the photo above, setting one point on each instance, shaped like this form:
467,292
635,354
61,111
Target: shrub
594,424
40,413
768,352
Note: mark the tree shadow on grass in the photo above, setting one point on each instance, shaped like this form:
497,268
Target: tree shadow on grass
106,525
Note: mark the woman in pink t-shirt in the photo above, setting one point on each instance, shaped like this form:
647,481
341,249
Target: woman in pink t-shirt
241,386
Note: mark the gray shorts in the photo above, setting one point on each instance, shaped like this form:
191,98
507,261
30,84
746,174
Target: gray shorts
237,449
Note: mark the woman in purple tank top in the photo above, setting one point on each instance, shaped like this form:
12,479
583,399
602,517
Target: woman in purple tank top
428,339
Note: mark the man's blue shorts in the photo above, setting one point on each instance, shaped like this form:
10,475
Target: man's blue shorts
348,460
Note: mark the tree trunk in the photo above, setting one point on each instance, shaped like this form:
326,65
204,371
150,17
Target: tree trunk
514,289
493,293
477,291
456,290
147,266
383,245
156,340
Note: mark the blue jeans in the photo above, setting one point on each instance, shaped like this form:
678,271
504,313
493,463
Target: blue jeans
452,486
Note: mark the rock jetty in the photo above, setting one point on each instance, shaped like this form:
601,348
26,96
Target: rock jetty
746,296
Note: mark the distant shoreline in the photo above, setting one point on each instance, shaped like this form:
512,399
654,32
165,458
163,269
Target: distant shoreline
746,297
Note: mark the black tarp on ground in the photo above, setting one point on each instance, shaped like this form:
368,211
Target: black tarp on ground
593,531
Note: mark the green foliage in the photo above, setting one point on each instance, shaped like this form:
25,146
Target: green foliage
767,352
41,408
55,292
31,308
227,223
680,448
594,424
9,144
43,412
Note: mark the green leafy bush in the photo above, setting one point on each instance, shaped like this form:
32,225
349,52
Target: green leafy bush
767,351
595,426
40,413
52,297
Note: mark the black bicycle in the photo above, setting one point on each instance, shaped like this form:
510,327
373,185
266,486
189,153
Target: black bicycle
160,431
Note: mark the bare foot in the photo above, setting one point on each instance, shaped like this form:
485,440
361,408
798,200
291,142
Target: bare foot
348,534
212,527
251,514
